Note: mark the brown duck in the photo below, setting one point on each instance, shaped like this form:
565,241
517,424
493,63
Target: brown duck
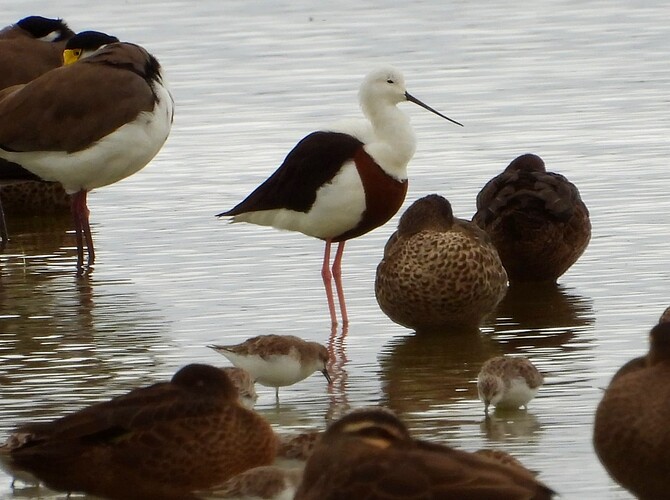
369,454
536,219
438,270
160,442
630,434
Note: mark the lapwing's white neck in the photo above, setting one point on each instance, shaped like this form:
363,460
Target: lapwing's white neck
394,142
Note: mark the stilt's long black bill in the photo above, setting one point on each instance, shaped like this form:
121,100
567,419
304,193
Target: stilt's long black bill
327,375
413,99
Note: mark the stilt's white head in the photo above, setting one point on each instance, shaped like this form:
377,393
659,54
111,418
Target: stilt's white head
386,86
383,86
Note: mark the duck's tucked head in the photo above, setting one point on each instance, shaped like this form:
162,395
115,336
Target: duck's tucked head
45,29
377,427
665,317
206,379
527,163
659,340
432,212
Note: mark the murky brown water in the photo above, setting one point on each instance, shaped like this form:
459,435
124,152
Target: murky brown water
584,85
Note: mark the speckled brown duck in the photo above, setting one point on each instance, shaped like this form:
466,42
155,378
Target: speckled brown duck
370,454
536,219
631,434
438,270
160,442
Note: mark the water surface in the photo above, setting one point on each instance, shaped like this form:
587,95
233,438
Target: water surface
584,85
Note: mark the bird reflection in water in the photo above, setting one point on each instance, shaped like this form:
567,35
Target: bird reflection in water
546,315
337,391
419,371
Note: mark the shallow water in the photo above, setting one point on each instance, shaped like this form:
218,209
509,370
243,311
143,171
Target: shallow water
584,85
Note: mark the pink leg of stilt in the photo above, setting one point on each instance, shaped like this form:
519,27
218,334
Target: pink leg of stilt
337,274
327,282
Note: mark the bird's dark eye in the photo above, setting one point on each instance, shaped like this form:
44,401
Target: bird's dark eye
390,80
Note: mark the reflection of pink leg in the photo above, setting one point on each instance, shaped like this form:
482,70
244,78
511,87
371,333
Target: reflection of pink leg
337,274
76,216
327,282
3,228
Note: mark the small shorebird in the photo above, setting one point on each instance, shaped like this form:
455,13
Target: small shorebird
269,482
162,441
244,384
109,128
630,433
277,360
536,219
339,184
298,446
370,454
508,382
438,270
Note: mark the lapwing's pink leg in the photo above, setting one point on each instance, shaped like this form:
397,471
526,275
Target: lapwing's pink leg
76,216
80,213
337,274
87,228
327,282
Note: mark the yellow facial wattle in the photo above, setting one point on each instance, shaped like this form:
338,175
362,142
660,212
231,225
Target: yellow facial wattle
71,56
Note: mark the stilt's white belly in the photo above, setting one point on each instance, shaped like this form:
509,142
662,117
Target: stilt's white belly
338,207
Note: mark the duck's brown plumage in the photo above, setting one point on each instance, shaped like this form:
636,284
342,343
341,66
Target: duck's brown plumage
438,270
631,435
536,219
161,441
370,455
